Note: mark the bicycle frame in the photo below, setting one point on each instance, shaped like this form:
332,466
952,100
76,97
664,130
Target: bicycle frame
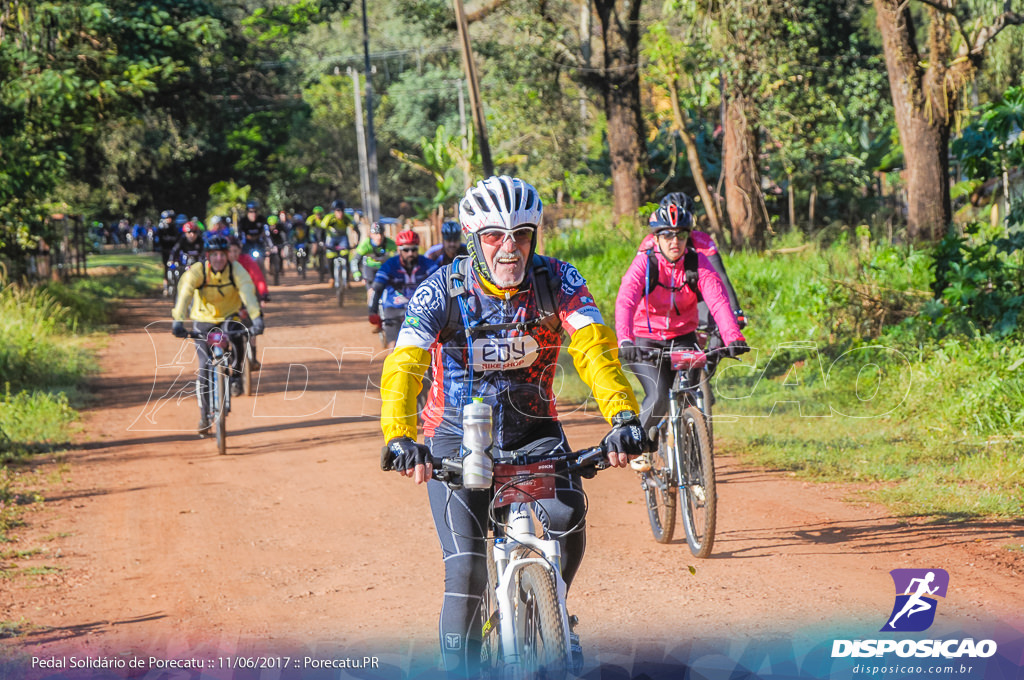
509,563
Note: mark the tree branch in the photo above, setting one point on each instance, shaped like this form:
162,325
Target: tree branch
988,32
482,13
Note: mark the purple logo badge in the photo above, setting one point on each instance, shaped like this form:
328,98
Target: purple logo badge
916,592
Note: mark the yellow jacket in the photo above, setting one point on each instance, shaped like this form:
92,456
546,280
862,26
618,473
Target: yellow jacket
212,296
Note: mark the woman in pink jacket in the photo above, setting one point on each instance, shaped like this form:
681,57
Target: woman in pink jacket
656,308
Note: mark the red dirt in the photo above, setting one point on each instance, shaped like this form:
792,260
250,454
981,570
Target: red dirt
295,539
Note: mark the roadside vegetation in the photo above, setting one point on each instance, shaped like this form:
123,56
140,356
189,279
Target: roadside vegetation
46,335
860,372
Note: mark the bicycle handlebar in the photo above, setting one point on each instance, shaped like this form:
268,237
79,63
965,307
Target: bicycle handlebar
651,355
193,335
448,469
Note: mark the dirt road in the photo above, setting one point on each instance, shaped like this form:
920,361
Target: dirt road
155,544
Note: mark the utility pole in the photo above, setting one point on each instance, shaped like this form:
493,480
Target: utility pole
476,107
373,209
462,118
364,171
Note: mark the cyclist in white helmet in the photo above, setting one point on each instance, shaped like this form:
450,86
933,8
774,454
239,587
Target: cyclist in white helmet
489,325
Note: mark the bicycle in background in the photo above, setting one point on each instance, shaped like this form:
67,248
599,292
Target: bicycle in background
683,464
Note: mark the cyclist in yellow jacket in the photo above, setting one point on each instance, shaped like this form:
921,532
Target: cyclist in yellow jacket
489,326
212,292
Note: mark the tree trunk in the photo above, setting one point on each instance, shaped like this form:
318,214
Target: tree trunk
620,33
743,200
923,101
693,156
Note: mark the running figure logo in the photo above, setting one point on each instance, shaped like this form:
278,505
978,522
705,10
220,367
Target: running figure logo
915,605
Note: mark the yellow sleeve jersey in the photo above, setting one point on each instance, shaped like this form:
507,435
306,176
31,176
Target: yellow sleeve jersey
505,360
215,296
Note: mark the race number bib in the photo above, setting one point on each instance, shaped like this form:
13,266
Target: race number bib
504,354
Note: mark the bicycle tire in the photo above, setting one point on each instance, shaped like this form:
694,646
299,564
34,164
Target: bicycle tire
490,625
659,486
247,371
542,636
341,285
705,388
276,266
223,384
698,494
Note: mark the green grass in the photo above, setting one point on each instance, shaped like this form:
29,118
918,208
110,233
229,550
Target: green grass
139,275
46,335
847,384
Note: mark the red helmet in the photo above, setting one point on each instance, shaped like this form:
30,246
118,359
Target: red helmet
407,238
189,226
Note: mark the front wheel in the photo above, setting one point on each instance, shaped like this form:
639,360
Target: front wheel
542,637
275,268
659,484
490,646
697,492
221,391
340,281
247,369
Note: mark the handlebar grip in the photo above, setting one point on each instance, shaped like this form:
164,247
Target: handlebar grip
387,459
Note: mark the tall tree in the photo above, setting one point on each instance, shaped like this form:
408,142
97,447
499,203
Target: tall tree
620,88
926,85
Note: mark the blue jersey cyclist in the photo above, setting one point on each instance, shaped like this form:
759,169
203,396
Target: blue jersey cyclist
395,281
451,245
484,327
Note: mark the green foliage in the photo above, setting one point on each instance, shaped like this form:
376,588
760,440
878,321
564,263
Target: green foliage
35,351
979,284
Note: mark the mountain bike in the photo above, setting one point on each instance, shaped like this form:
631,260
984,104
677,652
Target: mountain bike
340,276
683,463
391,318
301,258
524,621
321,260
218,394
275,263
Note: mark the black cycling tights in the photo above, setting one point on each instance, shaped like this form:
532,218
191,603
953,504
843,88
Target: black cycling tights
460,518
656,377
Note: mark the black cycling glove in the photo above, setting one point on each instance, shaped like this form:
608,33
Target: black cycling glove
627,435
178,329
736,348
628,353
408,454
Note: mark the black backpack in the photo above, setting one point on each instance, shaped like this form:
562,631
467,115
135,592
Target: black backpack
546,283
231,274
689,264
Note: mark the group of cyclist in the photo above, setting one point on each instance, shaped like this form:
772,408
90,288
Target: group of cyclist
482,317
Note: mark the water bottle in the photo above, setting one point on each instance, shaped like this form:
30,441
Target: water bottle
477,467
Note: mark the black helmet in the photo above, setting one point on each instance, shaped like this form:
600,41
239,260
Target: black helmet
216,242
451,231
681,201
376,228
252,205
674,212
337,204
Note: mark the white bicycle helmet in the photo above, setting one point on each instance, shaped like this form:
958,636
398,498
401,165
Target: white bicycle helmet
503,202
